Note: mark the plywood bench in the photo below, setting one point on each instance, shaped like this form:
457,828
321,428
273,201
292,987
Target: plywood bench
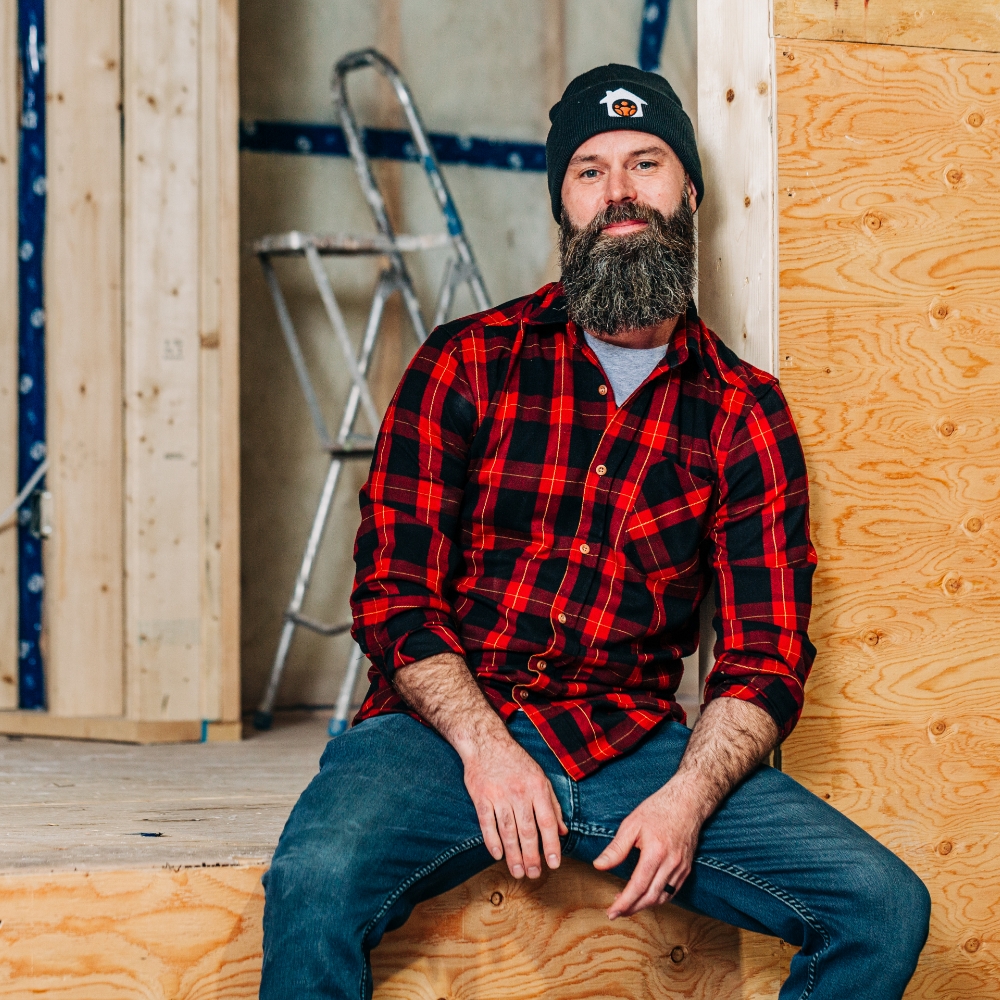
196,932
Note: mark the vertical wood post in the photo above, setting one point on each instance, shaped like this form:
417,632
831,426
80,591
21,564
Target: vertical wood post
738,284
84,556
8,349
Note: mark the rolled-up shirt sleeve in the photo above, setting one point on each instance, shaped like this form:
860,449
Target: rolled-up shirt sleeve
406,548
763,563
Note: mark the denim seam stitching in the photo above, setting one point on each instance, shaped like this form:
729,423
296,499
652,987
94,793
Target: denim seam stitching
790,901
415,877
591,830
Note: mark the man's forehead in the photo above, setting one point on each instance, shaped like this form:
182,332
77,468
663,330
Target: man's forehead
619,142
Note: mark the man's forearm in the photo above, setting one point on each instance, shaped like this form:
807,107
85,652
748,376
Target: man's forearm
730,739
445,694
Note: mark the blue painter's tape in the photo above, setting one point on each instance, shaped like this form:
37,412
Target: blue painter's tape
390,144
655,15
31,340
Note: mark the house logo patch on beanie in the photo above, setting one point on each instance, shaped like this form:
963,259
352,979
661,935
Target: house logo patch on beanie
622,103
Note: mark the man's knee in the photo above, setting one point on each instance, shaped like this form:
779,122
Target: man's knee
892,907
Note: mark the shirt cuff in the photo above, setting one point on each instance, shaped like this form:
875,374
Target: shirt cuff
780,697
430,640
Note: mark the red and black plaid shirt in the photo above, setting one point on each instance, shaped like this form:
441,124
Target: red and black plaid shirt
562,545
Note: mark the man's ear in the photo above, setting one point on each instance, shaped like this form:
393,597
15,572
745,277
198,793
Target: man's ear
692,193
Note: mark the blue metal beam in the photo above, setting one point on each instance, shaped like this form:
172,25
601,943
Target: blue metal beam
31,339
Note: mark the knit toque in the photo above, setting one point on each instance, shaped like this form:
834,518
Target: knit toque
617,97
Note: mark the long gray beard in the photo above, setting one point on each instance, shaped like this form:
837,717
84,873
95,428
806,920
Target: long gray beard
618,283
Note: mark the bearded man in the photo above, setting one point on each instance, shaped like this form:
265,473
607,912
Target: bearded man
556,484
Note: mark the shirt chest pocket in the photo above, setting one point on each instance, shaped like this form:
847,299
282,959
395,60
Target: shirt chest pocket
663,533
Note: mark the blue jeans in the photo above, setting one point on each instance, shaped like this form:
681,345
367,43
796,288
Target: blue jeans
387,823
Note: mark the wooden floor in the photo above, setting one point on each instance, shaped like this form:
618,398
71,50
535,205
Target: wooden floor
75,806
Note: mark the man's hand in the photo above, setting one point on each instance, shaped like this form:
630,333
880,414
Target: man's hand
729,740
515,803
665,829
514,800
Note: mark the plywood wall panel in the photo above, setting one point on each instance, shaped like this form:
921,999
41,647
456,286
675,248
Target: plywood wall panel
9,117
957,24
162,354
84,557
889,197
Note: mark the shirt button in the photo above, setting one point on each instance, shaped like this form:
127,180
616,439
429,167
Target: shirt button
601,470
562,619
585,549
541,664
603,390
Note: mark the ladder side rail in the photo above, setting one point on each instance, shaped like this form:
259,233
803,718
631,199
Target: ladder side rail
295,350
439,186
336,318
371,190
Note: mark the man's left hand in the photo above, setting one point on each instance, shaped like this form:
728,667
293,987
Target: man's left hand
665,829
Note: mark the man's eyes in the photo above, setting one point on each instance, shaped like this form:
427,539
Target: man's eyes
590,173
646,164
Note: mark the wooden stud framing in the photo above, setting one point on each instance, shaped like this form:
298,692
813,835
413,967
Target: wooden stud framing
9,115
143,295
218,344
162,400
737,230
83,557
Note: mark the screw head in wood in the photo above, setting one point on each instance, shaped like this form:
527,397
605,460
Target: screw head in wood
677,954
497,898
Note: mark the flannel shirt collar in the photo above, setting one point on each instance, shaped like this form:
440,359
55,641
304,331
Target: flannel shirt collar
547,308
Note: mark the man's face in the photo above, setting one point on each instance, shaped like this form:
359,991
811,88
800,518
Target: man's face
627,240
624,167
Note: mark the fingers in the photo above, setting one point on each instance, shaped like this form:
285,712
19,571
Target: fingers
550,825
617,851
488,824
508,827
645,889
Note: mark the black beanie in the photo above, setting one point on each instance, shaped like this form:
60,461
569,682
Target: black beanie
617,97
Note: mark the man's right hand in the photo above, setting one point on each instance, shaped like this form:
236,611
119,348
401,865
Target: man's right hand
515,803
514,800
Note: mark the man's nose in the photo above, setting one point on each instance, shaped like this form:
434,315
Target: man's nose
620,190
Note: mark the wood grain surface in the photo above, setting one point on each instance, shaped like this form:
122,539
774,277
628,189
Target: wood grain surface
737,227
84,569
165,934
162,353
957,24
889,194
196,933
218,348
9,118
496,937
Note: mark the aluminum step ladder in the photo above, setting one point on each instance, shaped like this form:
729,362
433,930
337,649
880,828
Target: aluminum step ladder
346,445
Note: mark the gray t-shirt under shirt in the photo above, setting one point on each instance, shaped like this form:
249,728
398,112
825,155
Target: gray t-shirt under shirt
626,367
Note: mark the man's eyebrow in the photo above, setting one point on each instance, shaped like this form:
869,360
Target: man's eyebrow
595,157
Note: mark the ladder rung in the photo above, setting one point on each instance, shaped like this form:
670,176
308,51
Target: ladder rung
346,454
347,243
315,626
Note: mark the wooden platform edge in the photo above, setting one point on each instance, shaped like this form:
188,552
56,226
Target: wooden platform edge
112,729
